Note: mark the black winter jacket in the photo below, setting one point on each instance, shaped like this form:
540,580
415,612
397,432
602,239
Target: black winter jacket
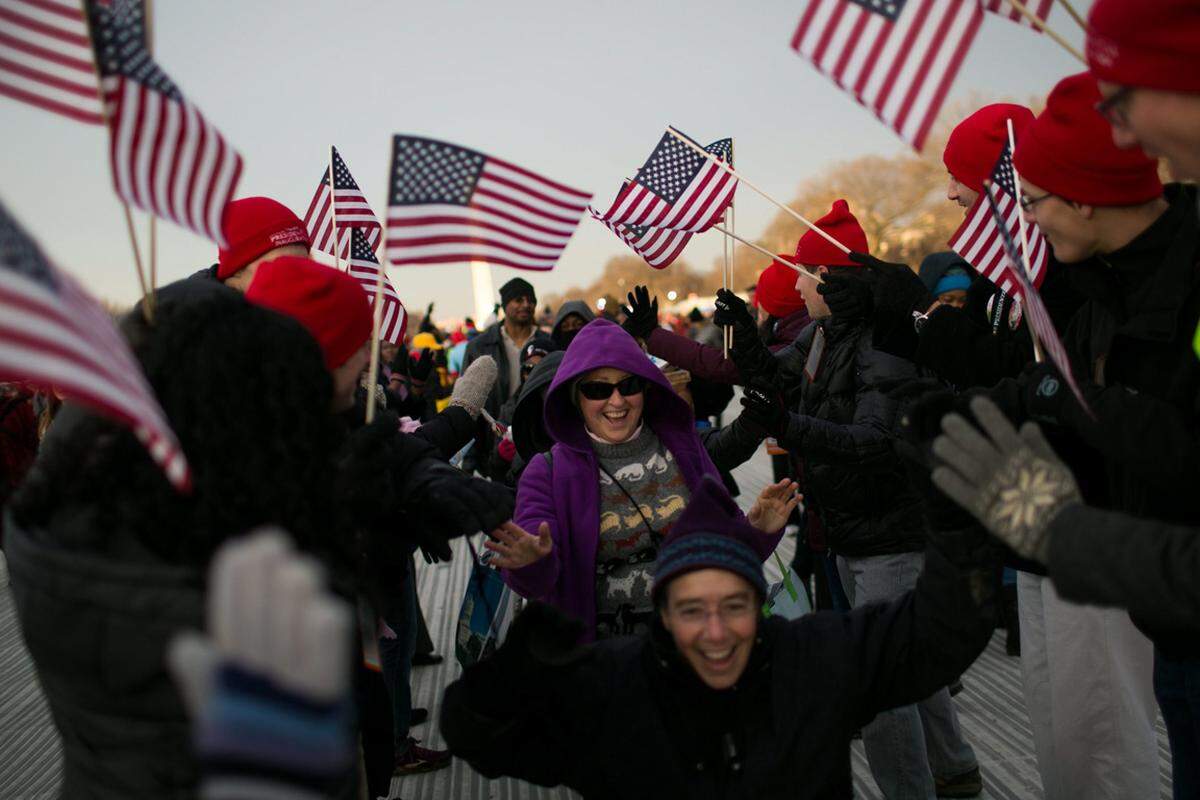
98,630
1111,559
631,720
842,433
1131,351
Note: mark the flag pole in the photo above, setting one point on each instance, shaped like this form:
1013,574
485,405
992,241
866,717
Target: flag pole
153,218
376,322
147,299
1044,28
1038,356
811,226
770,255
725,284
337,242
1075,15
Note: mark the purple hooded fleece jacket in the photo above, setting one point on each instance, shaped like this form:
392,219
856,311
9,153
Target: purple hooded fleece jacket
566,494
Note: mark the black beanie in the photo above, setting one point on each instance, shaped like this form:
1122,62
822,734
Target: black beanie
517,287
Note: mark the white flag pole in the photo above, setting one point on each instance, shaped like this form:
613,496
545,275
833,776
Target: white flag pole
770,255
1028,266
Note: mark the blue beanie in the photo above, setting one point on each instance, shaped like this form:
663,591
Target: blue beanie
954,278
710,534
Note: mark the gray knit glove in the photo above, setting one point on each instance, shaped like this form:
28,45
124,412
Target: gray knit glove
472,387
1011,482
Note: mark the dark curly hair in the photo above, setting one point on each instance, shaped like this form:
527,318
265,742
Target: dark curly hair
246,391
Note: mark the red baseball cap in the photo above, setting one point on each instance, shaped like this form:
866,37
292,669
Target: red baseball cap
253,226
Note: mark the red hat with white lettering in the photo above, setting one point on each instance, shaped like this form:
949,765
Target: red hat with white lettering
253,226
1150,43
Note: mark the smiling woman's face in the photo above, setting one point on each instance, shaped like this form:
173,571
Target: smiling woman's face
615,418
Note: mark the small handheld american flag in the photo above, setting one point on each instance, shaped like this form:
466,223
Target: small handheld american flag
981,243
1003,8
1040,324
53,336
897,58
46,58
449,204
677,188
166,157
347,204
364,268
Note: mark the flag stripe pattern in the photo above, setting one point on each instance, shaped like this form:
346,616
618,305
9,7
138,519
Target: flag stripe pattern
364,268
897,58
981,243
166,157
1003,8
677,188
53,336
449,204
1039,318
658,247
348,204
46,58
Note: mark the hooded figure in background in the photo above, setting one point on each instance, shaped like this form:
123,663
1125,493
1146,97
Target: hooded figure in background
570,319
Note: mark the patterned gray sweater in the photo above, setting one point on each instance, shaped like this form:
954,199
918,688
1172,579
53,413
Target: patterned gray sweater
646,470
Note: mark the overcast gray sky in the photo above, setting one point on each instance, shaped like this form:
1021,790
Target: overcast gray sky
578,91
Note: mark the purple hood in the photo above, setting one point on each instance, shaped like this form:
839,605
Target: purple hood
602,343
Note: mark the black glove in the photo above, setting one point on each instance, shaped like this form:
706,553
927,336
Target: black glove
849,295
733,311
510,682
420,368
1044,392
764,407
898,292
444,502
641,315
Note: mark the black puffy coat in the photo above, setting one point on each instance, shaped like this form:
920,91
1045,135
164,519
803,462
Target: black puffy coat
631,720
98,630
842,432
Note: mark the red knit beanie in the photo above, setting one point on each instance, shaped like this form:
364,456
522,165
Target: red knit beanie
976,142
254,225
331,304
776,289
1068,151
1151,43
815,250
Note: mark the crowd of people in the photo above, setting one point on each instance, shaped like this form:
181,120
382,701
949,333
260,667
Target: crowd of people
255,637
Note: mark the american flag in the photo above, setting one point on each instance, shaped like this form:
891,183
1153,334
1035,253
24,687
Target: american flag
347,203
895,57
981,243
677,188
364,268
46,58
1040,323
658,247
166,157
1003,8
450,204
53,336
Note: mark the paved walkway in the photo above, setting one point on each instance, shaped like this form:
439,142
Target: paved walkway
991,708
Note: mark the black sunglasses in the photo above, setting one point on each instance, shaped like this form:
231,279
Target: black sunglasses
602,390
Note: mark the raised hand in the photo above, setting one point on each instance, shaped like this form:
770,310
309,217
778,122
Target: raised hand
1011,482
515,548
641,315
774,505
732,311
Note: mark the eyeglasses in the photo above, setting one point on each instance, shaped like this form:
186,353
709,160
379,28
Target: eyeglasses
1028,202
727,612
602,390
1113,107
